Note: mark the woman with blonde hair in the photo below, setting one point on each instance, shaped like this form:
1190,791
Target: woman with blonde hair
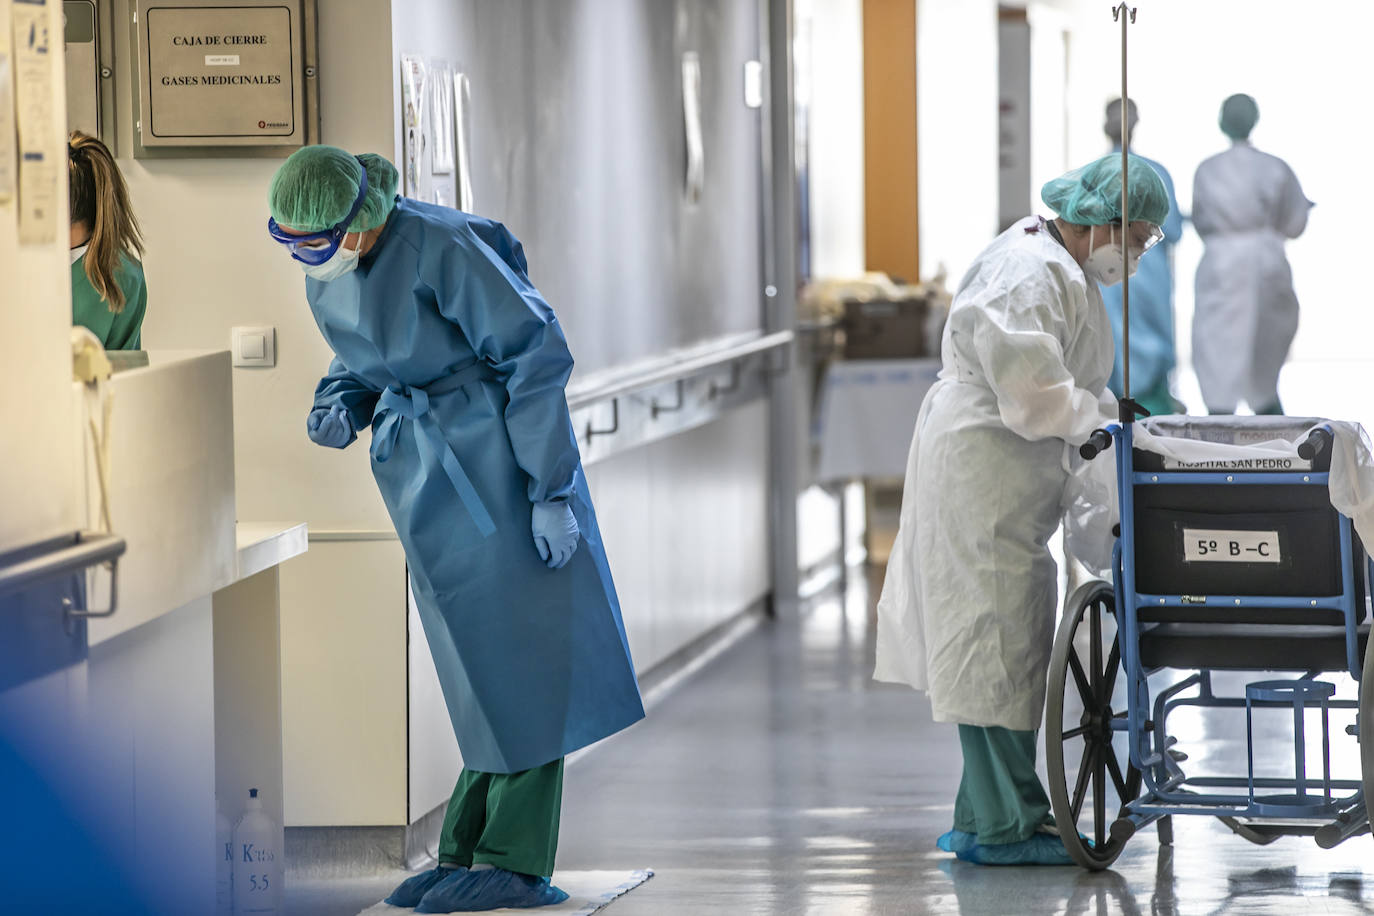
109,295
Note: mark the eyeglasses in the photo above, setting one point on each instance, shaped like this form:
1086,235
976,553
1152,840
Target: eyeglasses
317,247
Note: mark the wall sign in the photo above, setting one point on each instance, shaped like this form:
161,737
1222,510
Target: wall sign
222,74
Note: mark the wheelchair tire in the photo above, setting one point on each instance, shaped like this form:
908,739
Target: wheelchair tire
1366,734
1073,681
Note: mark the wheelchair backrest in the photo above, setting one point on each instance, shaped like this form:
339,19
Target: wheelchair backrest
1211,541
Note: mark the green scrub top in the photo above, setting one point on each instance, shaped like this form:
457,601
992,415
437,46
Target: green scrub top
123,331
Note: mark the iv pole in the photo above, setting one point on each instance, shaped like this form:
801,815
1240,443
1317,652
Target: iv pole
1126,16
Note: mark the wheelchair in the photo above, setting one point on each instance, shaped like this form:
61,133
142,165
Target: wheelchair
1239,566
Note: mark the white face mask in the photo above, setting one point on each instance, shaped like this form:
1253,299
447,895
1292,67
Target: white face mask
344,261
1106,264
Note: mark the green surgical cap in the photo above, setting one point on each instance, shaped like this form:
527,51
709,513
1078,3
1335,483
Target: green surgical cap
1091,195
1238,116
315,188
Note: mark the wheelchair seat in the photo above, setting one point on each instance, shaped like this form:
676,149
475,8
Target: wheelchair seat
1247,647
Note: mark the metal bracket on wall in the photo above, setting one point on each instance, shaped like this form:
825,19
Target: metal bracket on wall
656,408
615,422
716,390
72,612
780,361
61,557
639,426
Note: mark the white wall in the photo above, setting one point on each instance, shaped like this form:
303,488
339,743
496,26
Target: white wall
1305,65
343,657
836,136
210,266
684,520
37,413
956,129
685,524
152,716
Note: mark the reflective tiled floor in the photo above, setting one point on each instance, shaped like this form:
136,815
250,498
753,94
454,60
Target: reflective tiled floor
781,779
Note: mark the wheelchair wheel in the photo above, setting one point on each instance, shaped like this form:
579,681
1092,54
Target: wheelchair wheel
1088,785
1366,719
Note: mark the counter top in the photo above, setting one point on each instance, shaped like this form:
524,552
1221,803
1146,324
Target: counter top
171,486
262,545
133,361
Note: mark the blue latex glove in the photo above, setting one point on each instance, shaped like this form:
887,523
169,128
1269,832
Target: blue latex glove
413,889
330,427
555,532
489,889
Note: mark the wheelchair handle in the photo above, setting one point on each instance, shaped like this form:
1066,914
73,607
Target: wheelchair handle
1099,441
1317,441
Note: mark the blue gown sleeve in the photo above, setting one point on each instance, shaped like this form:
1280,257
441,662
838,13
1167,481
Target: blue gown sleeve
479,281
1173,224
342,388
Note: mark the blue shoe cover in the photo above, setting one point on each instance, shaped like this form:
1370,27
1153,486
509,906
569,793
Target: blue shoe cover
489,889
957,841
1040,849
412,889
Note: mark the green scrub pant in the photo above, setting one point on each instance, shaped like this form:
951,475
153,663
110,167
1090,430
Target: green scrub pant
1000,796
509,820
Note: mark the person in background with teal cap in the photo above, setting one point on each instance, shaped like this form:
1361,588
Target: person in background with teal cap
967,611
445,349
1153,355
1246,206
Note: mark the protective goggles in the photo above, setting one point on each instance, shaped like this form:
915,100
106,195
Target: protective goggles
317,247
1141,236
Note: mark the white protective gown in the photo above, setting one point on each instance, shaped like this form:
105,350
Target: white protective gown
968,607
1246,204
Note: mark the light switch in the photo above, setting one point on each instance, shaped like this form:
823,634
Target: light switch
255,347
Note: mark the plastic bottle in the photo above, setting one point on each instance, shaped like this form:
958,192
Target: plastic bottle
257,861
224,864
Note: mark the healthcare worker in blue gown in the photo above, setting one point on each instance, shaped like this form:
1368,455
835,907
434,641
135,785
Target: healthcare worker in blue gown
452,357
1153,354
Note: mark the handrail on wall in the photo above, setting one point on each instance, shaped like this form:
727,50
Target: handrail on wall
676,369
58,558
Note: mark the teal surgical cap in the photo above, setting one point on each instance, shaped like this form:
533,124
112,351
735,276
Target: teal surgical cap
1091,195
1238,116
315,187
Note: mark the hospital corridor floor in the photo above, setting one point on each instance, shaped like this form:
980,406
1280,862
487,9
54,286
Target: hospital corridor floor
780,779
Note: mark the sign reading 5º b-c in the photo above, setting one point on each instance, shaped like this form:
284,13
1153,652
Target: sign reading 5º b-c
220,73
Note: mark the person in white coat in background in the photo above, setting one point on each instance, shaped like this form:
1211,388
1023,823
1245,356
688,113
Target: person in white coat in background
968,606
1246,205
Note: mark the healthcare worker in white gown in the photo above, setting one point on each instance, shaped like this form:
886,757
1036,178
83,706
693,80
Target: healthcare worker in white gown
968,607
1246,205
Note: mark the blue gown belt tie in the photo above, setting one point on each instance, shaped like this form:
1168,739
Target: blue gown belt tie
411,402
